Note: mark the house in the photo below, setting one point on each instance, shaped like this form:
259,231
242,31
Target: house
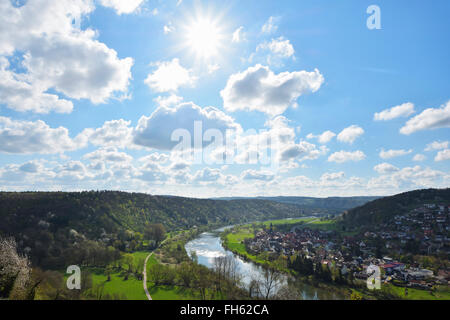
389,268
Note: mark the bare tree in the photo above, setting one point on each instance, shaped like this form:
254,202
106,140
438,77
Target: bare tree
227,277
269,281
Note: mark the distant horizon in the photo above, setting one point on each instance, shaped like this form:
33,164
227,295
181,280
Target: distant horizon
220,197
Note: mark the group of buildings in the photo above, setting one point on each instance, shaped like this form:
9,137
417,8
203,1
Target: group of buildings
424,230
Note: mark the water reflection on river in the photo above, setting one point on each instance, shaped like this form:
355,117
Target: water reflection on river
208,246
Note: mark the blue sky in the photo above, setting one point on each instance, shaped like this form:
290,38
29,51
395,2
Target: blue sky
91,91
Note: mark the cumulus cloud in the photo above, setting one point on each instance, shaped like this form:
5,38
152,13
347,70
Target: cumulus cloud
238,35
114,133
213,68
431,118
292,151
156,130
323,138
258,88
257,175
403,110
301,151
344,156
270,26
25,137
169,76
57,55
31,166
394,153
168,28
350,134
419,157
109,154
385,168
21,95
437,145
333,176
155,157
409,178
121,6
207,175
443,155
279,47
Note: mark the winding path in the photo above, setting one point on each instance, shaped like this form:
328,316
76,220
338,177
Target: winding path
149,297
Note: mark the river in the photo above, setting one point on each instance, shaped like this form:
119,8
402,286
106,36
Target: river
208,246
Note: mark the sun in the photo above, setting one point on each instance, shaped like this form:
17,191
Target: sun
204,37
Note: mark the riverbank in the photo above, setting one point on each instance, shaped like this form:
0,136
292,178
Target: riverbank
233,240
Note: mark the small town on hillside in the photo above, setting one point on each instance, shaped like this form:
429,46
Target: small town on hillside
423,231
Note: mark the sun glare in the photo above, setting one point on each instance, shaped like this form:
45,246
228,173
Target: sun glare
204,38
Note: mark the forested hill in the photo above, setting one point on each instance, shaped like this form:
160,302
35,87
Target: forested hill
383,210
330,204
111,210
50,224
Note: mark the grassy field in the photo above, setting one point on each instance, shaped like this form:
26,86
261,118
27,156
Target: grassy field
416,294
170,293
131,288
288,221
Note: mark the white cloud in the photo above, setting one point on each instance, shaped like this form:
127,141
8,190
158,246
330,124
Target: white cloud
25,137
213,68
409,178
109,154
344,156
350,134
431,118
280,47
333,176
238,35
323,138
207,175
169,76
155,157
302,150
114,133
437,145
270,26
168,101
168,28
57,55
385,168
403,110
258,88
20,95
419,157
257,175
122,6
394,153
443,155
292,152
156,130
32,166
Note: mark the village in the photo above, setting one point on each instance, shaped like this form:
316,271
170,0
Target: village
423,231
